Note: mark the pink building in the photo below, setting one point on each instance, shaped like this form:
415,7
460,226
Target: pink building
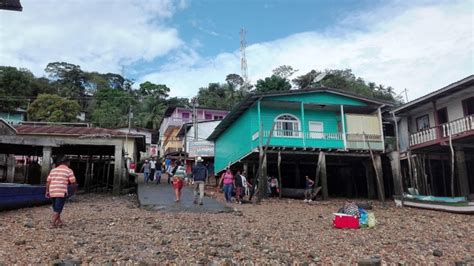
174,118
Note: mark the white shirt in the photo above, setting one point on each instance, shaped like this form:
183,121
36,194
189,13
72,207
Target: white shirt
152,164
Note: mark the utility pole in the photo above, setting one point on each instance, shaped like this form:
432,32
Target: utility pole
406,93
243,59
195,118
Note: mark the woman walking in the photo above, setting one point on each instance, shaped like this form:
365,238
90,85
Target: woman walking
178,182
228,179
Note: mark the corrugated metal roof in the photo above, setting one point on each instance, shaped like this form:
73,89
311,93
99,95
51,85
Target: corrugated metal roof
68,131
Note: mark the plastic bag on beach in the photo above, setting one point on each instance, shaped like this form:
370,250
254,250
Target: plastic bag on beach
371,220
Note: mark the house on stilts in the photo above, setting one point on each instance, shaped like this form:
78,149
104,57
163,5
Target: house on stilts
436,140
335,132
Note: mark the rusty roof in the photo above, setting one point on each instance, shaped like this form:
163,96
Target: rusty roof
70,131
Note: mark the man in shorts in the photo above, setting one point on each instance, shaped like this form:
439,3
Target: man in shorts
57,188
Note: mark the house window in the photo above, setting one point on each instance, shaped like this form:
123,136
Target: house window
423,122
208,116
218,117
185,116
287,125
316,130
468,106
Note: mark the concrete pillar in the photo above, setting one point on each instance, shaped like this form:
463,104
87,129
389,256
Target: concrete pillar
394,157
463,182
46,163
11,163
118,162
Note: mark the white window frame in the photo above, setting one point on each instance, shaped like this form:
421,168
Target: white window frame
279,125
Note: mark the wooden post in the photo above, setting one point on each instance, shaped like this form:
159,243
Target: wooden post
46,163
377,161
452,161
379,177
432,186
108,173
262,184
279,173
410,168
324,180
463,181
87,177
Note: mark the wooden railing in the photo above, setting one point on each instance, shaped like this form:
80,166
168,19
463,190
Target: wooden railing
458,126
453,128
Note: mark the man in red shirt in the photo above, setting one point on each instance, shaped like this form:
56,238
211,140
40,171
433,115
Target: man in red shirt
56,187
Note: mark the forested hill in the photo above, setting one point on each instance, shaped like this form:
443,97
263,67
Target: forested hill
106,99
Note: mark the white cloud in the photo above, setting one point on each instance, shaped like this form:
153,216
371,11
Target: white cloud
97,35
421,48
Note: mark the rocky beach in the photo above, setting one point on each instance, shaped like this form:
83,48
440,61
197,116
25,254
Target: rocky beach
103,229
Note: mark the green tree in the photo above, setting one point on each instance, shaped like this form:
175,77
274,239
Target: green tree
19,86
284,71
152,104
53,108
111,107
273,83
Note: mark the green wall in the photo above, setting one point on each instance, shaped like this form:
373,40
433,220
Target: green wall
234,142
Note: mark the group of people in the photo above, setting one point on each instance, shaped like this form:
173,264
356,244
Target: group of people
177,176
237,185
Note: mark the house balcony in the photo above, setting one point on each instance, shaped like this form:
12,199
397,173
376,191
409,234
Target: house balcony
456,129
321,140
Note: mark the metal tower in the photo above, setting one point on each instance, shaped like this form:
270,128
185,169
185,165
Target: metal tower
243,58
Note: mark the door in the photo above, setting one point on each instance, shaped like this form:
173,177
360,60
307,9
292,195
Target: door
316,130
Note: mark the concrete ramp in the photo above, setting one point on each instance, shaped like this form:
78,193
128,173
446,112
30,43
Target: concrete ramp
161,197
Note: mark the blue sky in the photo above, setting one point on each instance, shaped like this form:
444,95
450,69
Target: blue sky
420,45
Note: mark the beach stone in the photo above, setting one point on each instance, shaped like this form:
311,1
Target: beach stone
437,253
372,261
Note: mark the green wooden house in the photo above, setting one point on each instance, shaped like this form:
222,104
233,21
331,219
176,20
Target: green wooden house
304,122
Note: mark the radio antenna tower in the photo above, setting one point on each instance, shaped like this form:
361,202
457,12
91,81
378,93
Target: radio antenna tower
243,58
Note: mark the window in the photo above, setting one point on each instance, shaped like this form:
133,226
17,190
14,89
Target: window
208,116
422,122
287,125
468,106
442,115
185,116
218,117
316,130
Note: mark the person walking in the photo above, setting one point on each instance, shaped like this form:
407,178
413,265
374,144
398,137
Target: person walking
57,188
245,184
239,187
228,180
146,171
159,171
152,168
308,192
178,180
168,169
200,175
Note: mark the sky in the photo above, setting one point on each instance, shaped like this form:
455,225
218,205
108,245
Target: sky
186,44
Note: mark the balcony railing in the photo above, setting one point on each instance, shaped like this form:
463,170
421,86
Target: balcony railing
443,131
458,126
317,139
423,136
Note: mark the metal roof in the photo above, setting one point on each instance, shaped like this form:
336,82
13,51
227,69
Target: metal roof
69,131
171,109
248,101
451,88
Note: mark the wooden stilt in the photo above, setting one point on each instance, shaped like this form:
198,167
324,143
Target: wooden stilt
432,185
377,161
324,180
452,162
87,177
279,173
443,169
369,174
